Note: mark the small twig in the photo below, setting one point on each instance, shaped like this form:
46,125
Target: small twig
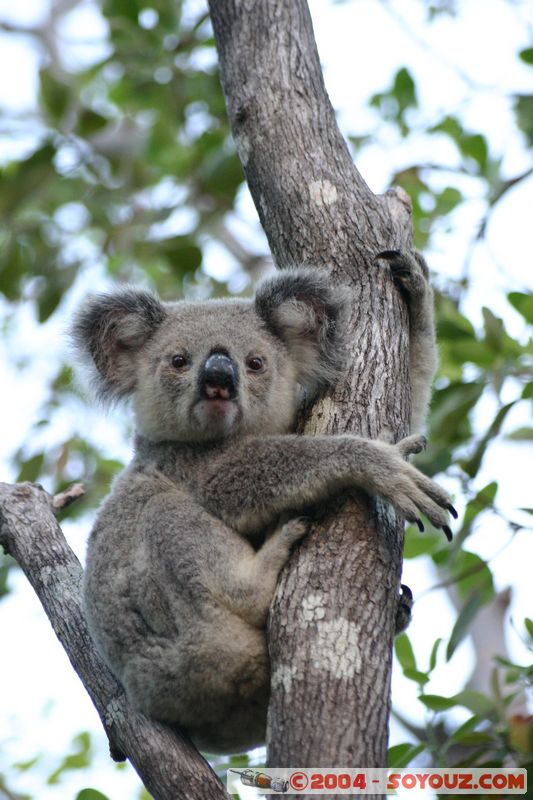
66,498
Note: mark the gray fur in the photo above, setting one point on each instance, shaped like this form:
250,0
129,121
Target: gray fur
411,273
176,595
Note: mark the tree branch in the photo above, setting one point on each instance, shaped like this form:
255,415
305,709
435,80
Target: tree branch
331,626
168,764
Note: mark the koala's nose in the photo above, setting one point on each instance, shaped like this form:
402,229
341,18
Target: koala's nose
218,378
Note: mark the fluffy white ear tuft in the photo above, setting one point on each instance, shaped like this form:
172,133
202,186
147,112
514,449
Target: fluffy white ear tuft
107,332
308,313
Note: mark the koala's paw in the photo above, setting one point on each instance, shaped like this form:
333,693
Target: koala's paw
409,271
294,530
403,609
411,492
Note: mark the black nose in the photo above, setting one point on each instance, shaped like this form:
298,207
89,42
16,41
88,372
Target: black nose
218,378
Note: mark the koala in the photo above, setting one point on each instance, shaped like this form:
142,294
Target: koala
177,589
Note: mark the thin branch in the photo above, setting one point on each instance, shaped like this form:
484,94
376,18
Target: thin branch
66,498
167,762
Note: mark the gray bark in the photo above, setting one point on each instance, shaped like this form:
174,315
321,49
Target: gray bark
331,625
169,765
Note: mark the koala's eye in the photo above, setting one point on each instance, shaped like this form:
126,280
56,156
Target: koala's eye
255,364
179,361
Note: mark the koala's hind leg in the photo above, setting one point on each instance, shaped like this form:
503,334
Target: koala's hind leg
257,574
410,273
403,609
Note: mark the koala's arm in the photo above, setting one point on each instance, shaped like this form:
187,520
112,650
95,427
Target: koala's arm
249,484
411,274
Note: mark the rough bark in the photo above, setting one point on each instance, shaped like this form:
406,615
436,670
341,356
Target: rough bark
331,625
169,765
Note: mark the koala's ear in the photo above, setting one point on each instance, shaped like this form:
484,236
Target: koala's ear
308,312
107,332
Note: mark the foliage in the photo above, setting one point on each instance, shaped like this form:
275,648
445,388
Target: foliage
492,733
131,175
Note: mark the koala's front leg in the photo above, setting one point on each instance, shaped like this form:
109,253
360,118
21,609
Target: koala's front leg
411,275
251,483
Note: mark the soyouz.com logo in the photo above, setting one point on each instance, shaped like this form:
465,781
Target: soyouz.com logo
486,781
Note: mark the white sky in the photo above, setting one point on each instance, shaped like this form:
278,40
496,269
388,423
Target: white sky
361,46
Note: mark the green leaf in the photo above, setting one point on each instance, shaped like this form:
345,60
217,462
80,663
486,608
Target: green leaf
447,200
90,122
475,146
400,755
182,252
472,574
526,55
404,652
476,702
451,127
24,181
433,654
494,330
31,469
523,107
6,564
48,300
470,351
523,303
23,766
77,760
462,624
529,626
404,89
483,500
55,96
527,392
436,702
91,794
417,544
415,675
521,434
472,465
452,325
450,410
465,729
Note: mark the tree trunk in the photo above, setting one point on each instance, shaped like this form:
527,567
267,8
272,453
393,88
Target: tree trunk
331,625
169,765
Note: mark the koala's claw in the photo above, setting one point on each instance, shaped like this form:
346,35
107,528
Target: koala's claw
388,255
409,271
452,511
399,263
412,493
404,608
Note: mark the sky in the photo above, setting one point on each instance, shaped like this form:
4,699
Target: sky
362,44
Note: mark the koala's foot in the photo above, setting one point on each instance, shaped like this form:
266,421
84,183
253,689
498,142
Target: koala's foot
409,490
294,530
409,272
276,550
403,609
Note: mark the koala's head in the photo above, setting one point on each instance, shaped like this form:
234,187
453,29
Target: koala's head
207,371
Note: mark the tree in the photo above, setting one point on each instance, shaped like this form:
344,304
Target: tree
290,240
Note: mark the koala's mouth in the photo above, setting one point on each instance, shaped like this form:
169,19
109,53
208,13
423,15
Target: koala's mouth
217,393
216,411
